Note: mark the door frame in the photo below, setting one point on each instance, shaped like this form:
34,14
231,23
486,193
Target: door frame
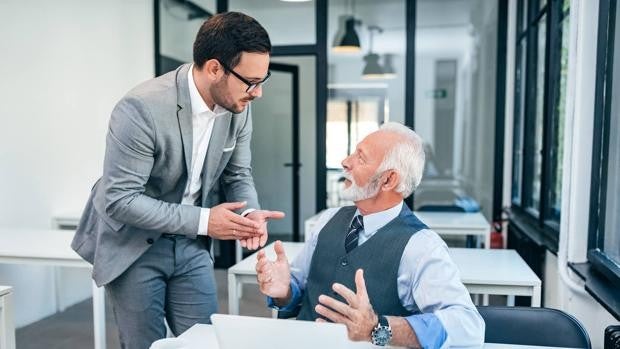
294,164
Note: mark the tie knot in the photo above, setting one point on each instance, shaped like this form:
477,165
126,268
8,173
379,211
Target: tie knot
357,223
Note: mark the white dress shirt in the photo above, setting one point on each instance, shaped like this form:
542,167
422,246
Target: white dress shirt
202,128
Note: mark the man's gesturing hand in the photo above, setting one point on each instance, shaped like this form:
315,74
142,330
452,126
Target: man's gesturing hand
274,277
261,217
357,314
224,224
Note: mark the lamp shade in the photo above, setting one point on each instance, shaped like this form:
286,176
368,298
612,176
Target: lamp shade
350,41
388,68
372,69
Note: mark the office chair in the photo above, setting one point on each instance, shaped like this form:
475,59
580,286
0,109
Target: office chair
533,326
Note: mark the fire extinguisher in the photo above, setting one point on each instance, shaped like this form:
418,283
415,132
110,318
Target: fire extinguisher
497,239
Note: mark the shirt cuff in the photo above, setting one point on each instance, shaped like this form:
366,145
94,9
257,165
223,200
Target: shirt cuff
295,298
429,330
247,212
203,223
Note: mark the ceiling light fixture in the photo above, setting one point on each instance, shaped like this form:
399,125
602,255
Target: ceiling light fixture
388,68
372,69
350,42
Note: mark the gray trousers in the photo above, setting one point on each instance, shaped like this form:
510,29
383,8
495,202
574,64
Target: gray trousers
173,279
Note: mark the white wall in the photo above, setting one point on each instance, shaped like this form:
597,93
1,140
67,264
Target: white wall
64,64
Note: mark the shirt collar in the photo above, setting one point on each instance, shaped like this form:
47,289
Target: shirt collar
378,220
198,104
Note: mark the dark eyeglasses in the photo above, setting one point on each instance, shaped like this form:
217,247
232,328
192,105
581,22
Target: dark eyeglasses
251,85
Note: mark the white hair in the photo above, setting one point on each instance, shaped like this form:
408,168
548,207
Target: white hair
406,157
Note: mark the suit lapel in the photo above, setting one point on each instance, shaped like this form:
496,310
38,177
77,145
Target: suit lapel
184,115
214,153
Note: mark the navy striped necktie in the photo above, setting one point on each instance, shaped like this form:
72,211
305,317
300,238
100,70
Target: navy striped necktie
350,242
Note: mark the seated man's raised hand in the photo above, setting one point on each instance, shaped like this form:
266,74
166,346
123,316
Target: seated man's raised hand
274,277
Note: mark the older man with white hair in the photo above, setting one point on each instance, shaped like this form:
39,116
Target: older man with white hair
374,266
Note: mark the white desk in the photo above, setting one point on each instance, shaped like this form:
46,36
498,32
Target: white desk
51,247
459,224
499,272
202,336
7,326
444,223
67,220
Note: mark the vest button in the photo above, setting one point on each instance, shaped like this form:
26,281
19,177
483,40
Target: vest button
149,241
344,262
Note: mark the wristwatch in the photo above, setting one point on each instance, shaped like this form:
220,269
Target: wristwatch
381,335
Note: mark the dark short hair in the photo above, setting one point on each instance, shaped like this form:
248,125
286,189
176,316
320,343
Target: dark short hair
226,35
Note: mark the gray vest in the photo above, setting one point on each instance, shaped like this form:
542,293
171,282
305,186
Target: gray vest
379,256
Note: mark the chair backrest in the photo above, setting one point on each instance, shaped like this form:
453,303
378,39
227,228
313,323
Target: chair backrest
533,326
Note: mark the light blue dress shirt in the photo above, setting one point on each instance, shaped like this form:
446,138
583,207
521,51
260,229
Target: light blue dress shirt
429,284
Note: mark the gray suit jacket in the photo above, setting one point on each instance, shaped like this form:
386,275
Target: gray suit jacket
146,166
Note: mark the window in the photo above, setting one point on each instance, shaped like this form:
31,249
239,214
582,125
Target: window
604,242
540,90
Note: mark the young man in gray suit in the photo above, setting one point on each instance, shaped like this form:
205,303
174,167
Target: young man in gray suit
374,266
148,222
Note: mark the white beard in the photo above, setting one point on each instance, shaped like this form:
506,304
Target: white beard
356,193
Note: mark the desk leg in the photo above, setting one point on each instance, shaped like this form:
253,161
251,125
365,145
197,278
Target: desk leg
233,297
238,258
536,296
238,252
7,326
487,240
57,282
99,316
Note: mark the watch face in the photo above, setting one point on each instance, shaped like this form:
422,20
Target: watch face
382,336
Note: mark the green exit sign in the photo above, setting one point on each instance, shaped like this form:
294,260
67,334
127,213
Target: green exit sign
437,93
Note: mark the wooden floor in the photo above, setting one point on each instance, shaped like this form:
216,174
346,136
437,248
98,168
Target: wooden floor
73,328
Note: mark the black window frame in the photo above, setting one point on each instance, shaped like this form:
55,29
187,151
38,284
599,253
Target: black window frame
541,223
597,258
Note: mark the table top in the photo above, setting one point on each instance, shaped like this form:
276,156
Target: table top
445,220
454,220
69,218
491,266
476,266
33,244
202,336
5,290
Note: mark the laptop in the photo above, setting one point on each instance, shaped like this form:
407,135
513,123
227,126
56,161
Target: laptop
236,332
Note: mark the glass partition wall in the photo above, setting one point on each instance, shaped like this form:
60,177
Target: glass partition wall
454,99
366,77
177,24
455,84
429,64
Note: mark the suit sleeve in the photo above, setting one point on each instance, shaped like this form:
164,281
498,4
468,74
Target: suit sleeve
129,157
236,179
